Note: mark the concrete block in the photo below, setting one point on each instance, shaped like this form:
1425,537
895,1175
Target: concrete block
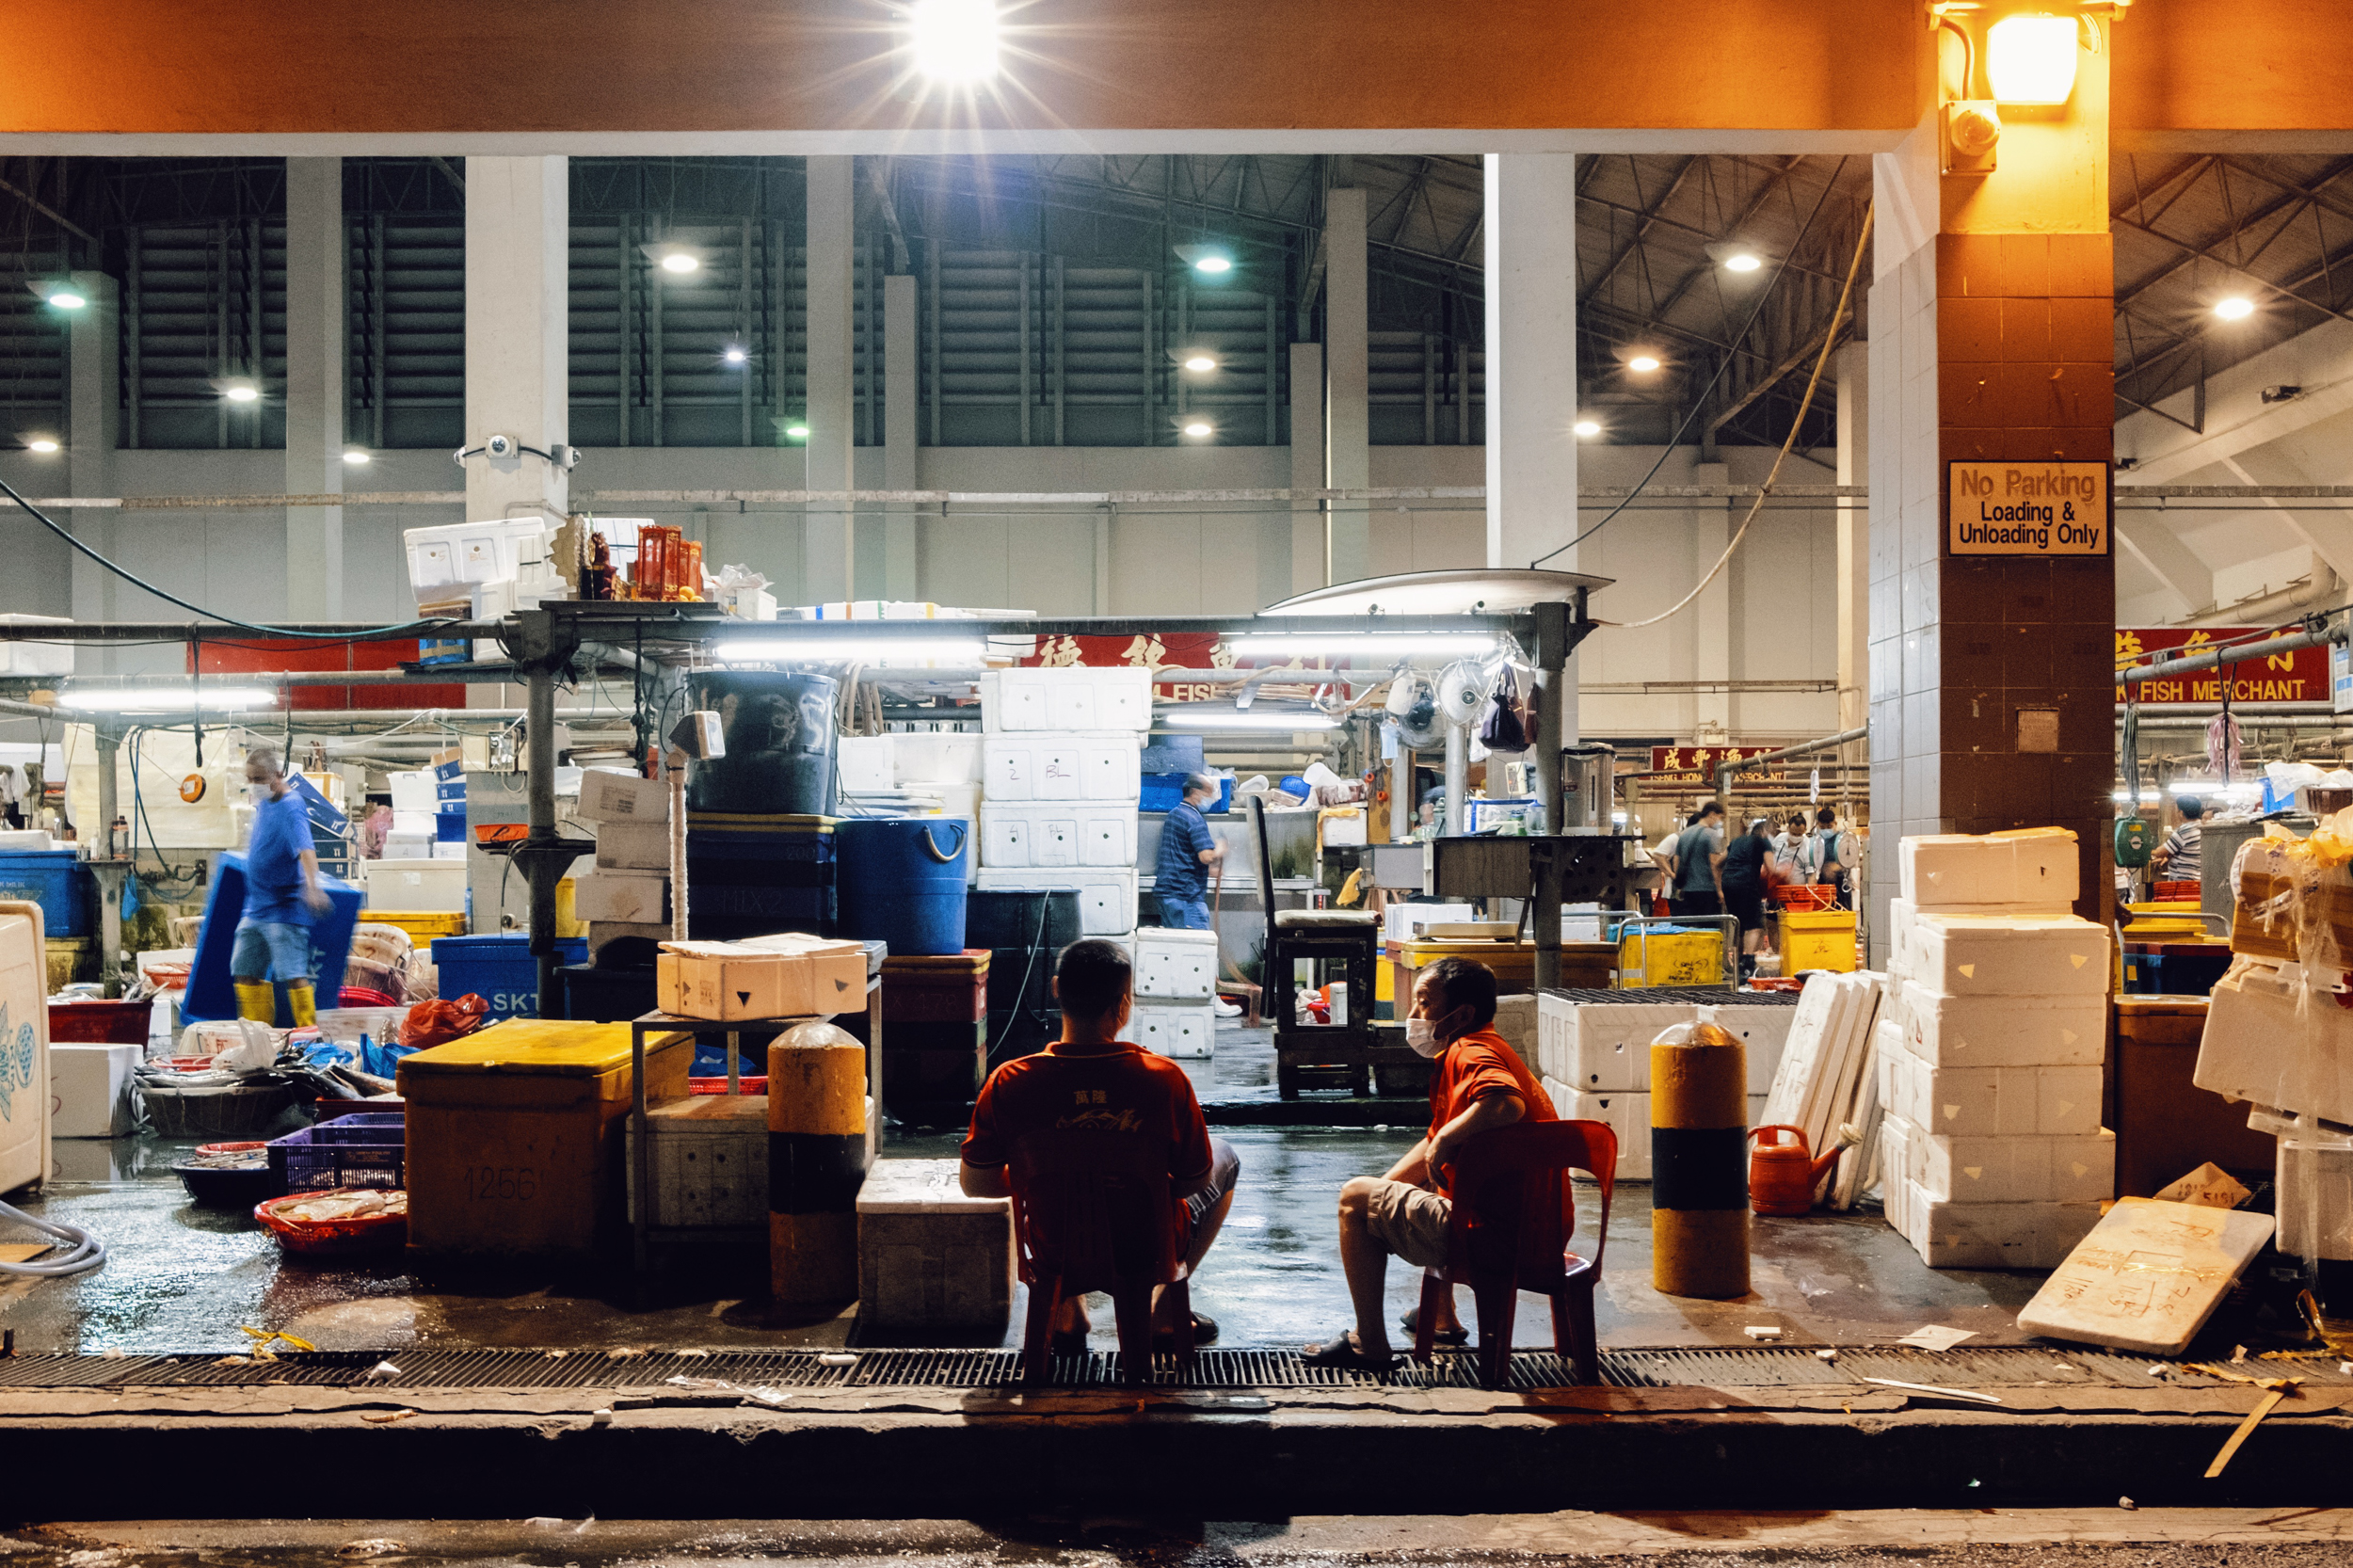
928,1255
710,1162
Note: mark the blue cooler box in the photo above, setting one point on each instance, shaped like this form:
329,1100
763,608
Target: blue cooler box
57,881
500,970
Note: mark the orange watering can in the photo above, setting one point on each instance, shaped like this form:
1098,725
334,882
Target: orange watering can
1782,1177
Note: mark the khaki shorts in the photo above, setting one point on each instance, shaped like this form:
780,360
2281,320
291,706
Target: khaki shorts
1410,1220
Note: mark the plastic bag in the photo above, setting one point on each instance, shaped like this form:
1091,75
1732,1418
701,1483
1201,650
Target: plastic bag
437,1022
1505,726
818,1032
255,1050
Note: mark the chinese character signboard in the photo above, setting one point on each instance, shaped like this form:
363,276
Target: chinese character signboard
2300,675
2027,509
1696,765
1182,650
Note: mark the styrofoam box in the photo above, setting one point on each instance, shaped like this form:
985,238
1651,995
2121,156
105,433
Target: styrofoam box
414,792
1072,697
2004,1031
448,849
36,658
1765,1030
1176,1032
1175,962
1596,1047
495,550
633,847
1516,1020
431,887
1988,1102
1058,833
1954,870
1627,1115
1895,1173
935,758
609,895
1398,920
1106,898
2009,955
1953,1235
606,796
1100,766
2013,1170
2271,1040
864,762
1756,1109
90,1091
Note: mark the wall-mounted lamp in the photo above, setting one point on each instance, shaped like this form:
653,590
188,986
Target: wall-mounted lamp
2031,59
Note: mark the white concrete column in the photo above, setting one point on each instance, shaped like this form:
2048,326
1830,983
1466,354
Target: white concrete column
1855,536
829,542
93,425
317,253
1712,524
901,387
1531,233
518,247
1310,557
1348,413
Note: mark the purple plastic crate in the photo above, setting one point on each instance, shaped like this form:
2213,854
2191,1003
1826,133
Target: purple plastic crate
367,1150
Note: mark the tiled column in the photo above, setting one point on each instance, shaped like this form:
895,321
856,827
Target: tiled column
1992,697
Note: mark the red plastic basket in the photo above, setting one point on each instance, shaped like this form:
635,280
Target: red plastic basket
719,1085
2176,892
331,1238
362,996
1804,895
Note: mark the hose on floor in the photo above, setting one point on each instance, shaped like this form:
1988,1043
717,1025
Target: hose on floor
84,1250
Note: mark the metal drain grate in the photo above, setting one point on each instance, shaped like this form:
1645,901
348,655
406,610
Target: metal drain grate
1760,1367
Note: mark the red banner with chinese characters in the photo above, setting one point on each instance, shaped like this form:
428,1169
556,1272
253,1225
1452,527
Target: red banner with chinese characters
1697,765
2300,675
1182,650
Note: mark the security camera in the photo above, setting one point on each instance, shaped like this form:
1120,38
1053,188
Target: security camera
2282,395
564,456
500,446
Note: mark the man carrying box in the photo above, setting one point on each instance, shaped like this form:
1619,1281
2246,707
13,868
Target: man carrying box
283,896
1074,1123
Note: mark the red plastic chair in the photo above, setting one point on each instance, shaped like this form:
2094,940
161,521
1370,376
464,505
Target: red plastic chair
1113,1231
1499,1262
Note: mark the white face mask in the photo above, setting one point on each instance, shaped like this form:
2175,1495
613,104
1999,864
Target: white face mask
1422,1035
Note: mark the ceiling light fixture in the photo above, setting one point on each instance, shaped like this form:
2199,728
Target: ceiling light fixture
2236,306
1214,263
678,260
2031,59
734,354
241,391
1200,362
1742,260
43,443
1200,429
954,41
1407,644
949,653
1586,427
66,299
1643,363
799,432
355,457
173,700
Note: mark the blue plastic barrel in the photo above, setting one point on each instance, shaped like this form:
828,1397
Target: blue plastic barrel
902,881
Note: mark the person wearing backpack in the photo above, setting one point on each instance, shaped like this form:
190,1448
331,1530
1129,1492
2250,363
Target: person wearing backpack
1696,869
1827,855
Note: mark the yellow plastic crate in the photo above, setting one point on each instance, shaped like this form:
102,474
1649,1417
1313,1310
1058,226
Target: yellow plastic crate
1818,939
1649,959
423,925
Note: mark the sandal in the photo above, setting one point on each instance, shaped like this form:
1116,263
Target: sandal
1454,1338
1340,1350
1203,1332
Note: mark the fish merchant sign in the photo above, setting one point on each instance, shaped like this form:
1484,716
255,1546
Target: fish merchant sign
2027,509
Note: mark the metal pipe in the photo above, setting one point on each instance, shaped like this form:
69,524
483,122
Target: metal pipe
220,632
1550,680
1725,769
539,789
1457,777
109,745
2215,659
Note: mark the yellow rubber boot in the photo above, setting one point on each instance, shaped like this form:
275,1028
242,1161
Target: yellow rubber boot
256,1000
298,998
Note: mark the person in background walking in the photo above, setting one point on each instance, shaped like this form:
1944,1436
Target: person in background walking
1744,889
1180,877
2180,858
1697,874
282,897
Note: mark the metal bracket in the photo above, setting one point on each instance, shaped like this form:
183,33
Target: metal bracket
539,640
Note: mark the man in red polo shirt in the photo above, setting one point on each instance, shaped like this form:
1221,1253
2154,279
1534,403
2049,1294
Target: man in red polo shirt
1093,1103
1480,1084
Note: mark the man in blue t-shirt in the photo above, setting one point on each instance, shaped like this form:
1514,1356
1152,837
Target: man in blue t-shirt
1180,879
283,896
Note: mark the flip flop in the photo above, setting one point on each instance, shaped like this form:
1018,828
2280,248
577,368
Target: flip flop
1411,1323
1340,1350
1203,1332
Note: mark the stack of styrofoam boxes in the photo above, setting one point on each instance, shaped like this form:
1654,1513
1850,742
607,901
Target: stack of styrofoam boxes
1175,985
630,885
1990,1069
1594,1056
484,570
1059,784
946,764
415,805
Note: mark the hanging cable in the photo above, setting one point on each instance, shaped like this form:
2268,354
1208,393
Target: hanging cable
405,628
1830,338
1700,402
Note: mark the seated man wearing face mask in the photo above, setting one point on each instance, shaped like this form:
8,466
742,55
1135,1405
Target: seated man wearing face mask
1479,1084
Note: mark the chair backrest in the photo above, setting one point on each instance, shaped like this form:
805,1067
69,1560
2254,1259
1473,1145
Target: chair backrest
1266,870
1519,1151
1096,1226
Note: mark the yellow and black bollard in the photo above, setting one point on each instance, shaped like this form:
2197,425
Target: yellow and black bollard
816,1164
1699,1114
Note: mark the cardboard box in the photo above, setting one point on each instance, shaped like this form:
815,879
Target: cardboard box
836,968
2005,1031
2166,1125
2035,868
90,1091
633,847
607,797
1603,1047
635,896
2009,955
2015,1170
726,983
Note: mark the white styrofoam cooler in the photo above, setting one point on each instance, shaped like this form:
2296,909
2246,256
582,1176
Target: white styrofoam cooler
1175,962
1058,833
89,1087
1101,766
1598,1046
934,757
2009,956
1106,898
1398,920
36,658
1987,1102
2036,869
2036,1169
864,763
23,1046
1189,1030
1764,1030
2005,1031
445,559
437,886
1627,1114
1071,697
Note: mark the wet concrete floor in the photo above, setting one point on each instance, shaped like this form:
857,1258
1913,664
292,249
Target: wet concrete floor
184,1278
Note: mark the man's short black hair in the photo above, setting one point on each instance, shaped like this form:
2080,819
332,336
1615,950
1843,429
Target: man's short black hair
1202,784
1825,816
1713,809
1091,978
1465,982
2191,806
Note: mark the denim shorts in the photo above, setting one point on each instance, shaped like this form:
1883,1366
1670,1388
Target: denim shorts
275,949
1185,914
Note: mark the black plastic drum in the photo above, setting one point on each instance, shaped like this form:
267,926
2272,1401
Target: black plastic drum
779,729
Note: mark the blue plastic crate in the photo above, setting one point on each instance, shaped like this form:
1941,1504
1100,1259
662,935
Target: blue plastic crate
500,970
57,881
450,789
445,651
369,1149
449,827
1165,792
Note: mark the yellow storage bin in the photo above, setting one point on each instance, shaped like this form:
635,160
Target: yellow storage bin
515,1135
423,925
1648,959
1818,939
